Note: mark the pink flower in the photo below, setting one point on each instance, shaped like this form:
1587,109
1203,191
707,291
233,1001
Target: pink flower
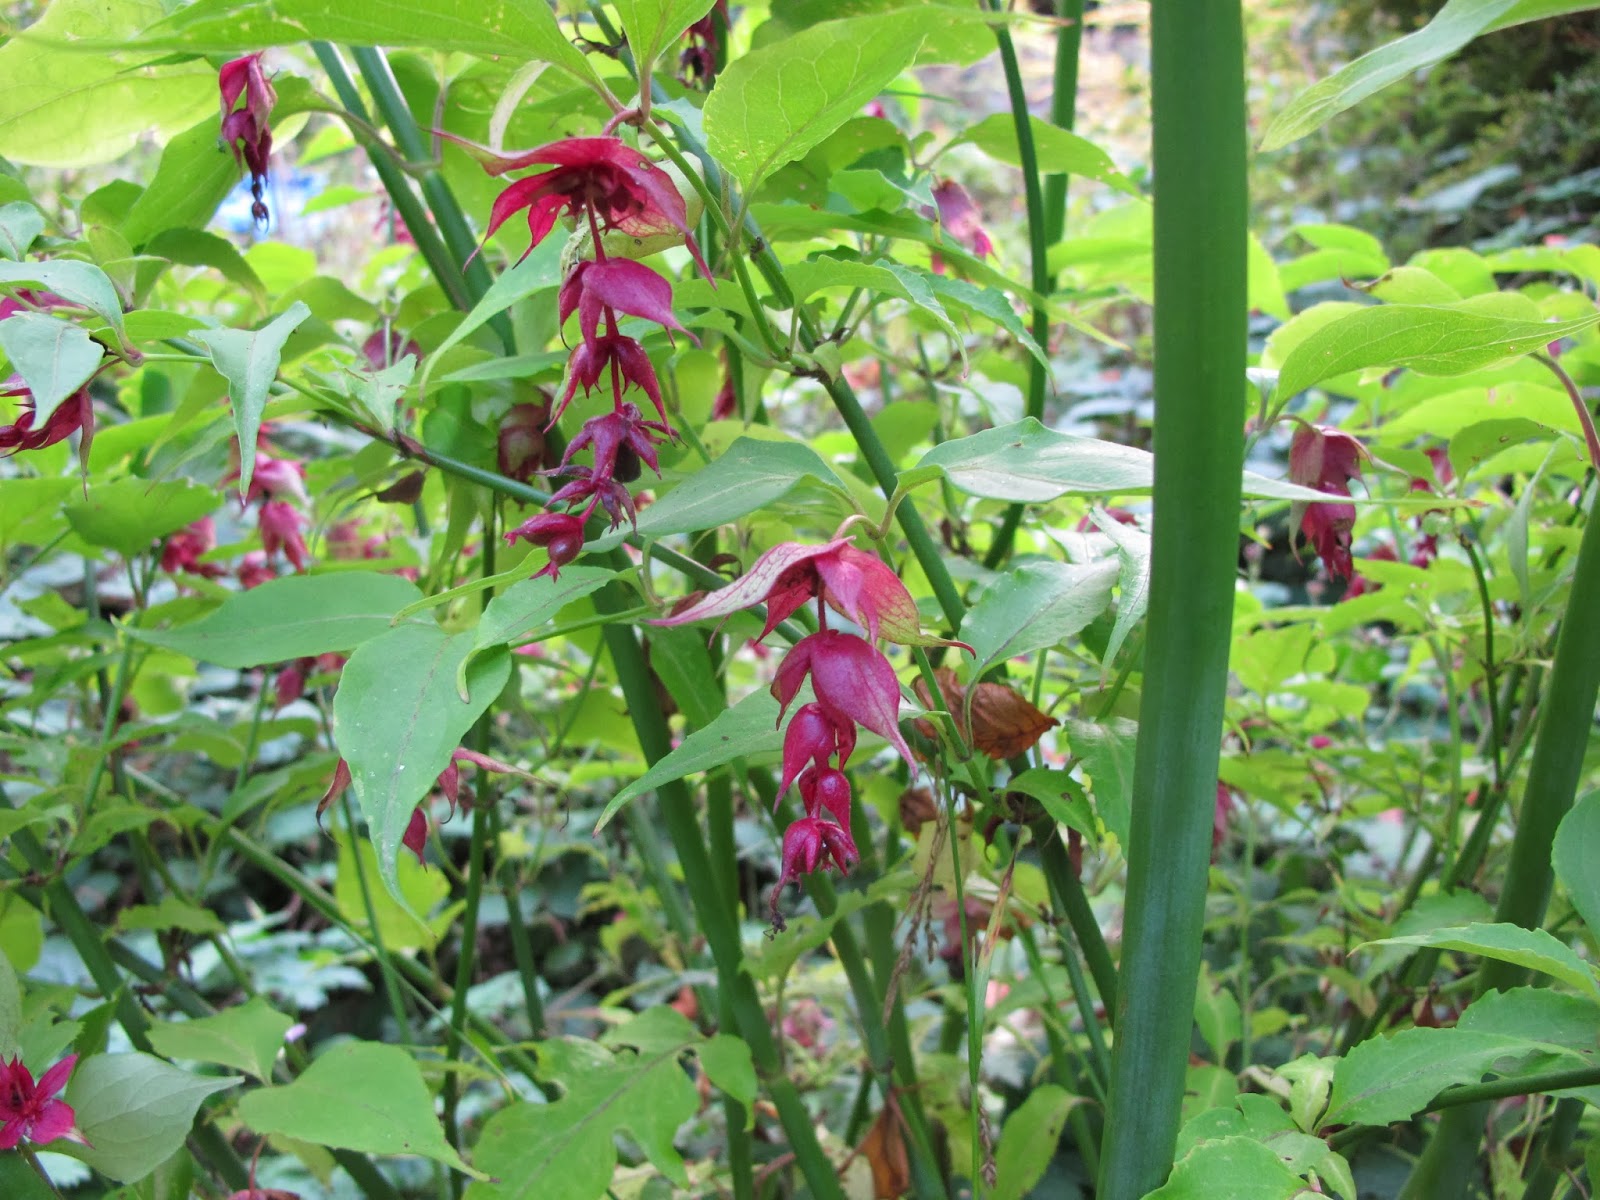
850,677
622,440
561,535
520,443
277,479
601,178
254,570
73,415
605,287
280,524
815,734
960,219
384,350
184,549
855,584
598,490
627,363
30,1110
808,844
697,65
826,788
245,130
1327,459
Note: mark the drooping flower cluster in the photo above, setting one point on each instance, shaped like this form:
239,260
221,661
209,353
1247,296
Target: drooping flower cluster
245,129
697,65
852,681
31,1109
1327,459
278,484
604,187
75,414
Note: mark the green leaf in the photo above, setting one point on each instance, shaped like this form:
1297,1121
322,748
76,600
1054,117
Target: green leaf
1387,1079
512,29
1576,858
10,1009
988,302
890,278
727,1063
54,357
1028,1141
1431,339
20,223
197,248
1133,580
358,1096
248,360
747,729
750,475
61,107
128,515
540,270
80,282
566,1149
1456,24
516,613
1531,948
1059,151
1107,752
135,1110
1537,1014
1035,607
653,24
774,104
297,616
397,718
19,1181
1062,796
246,1037
171,913
1446,415
1239,1168
400,927
1030,464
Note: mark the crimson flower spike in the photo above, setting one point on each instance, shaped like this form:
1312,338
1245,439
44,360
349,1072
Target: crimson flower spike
855,584
627,361
851,678
245,131
811,843
624,190
604,287
1327,459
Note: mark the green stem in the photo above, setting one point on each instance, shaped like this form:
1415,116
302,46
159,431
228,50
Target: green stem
1548,1164
1038,253
720,926
391,985
398,186
1201,207
452,222
1554,772
1063,112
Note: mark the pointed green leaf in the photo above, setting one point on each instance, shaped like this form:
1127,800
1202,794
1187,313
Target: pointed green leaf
297,616
1035,607
1240,1168
54,357
20,223
1028,1141
516,614
246,1037
135,1110
747,729
654,24
1577,858
774,104
1388,1079
1531,948
1059,151
1107,751
358,1096
1431,339
398,717
128,515
248,360
1456,24
79,282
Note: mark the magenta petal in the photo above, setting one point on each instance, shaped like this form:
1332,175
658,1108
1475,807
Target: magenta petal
753,586
632,288
810,737
850,676
53,1080
11,1133
54,1122
792,672
862,587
